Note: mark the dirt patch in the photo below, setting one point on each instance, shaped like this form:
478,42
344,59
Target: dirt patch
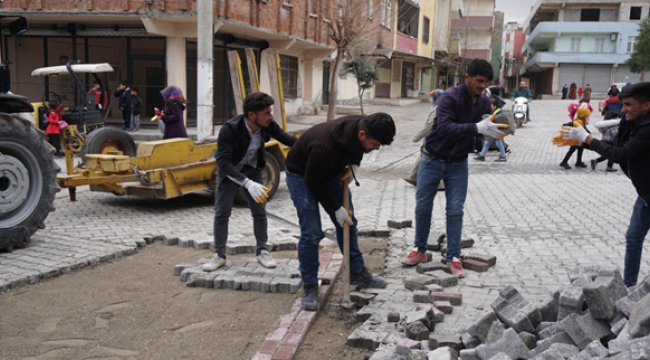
136,308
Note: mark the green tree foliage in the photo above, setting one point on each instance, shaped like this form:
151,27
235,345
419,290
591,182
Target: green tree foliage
640,60
365,71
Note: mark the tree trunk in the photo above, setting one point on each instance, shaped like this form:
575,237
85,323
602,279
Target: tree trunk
331,107
361,91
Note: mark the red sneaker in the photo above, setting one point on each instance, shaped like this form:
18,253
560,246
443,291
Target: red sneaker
456,268
414,258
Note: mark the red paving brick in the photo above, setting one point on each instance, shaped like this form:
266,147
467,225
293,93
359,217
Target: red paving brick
268,347
285,353
454,298
475,265
260,356
293,339
279,334
299,326
308,316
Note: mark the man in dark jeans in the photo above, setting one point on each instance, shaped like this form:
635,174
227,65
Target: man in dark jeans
315,166
240,162
123,93
458,122
632,152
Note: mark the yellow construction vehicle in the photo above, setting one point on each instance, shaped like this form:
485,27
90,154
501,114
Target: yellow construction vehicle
169,168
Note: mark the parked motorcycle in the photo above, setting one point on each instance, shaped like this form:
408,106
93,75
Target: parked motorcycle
519,110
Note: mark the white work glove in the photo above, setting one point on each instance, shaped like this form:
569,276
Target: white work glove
576,133
257,191
347,174
342,216
488,128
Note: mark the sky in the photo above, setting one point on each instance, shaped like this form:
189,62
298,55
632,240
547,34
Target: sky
515,10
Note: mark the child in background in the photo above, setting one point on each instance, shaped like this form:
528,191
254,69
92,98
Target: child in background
53,131
609,128
136,109
496,108
582,119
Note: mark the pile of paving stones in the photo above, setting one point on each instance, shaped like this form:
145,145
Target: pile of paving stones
595,317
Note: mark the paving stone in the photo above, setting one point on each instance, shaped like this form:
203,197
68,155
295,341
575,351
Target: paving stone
481,327
617,324
601,295
469,341
405,345
491,260
549,331
169,240
447,340
640,348
284,285
548,307
593,350
496,332
399,224
529,339
422,296
640,291
201,280
571,301
510,343
444,306
426,267
558,352
364,339
444,279
509,315
393,317
583,329
182,266
420,282
424,316
443,353
416,331
382,233
384,352
639,322
621,343
469,354
543,345
424,345
438,316
360,298
433,247
434,288
475,265
466,243
455,299
418,355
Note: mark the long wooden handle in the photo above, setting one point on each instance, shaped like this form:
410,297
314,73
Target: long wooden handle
346,244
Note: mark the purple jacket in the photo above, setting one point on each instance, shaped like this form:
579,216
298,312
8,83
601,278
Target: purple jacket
454,128
173,119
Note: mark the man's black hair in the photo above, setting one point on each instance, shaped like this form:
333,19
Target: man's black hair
639,92
379,126
615,92
611,115
480,67
257,102
496,101
134,89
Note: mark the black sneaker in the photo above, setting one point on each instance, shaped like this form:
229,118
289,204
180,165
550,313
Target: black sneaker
363,277
479,158
565,166
500,159
610,169
593,164
581,165
310,297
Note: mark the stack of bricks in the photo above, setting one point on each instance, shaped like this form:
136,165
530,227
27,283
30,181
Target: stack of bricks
592,318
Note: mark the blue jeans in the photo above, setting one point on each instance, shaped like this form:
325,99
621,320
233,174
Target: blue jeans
636,233
310,227
455,176
500,146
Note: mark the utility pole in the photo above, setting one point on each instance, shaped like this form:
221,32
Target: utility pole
204,71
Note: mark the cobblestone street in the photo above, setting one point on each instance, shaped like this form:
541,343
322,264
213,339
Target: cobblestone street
536,218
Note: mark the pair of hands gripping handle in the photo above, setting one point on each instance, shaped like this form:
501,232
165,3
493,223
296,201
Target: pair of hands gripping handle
345,216
258,192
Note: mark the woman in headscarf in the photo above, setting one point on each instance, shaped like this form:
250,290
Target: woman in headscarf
172,115
572,91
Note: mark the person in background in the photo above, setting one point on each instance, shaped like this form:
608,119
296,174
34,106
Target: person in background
496,108
136,109
580,92
612,89
609,128
572,91
523,91
53,130
101,98
565,91
613,104
172,114
632,152
581,119
428,123
586,97
123,93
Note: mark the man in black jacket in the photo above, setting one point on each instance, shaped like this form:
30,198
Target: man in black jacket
314,168
123,93
632,152
240,161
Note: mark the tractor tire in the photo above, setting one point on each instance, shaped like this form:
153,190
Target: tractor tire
107,139
271,175
27,181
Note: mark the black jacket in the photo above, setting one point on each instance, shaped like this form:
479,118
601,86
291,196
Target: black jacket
322,153
136,105
233,142
125,98
632,152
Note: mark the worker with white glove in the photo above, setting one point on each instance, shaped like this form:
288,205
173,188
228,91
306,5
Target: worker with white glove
323,160
488,128
240,162
576,133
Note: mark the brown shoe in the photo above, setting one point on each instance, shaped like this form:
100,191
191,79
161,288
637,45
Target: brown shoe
412,182
456,268
414,258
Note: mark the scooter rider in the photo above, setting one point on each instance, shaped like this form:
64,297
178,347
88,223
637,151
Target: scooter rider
523,91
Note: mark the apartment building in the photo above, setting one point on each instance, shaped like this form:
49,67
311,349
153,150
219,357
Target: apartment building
474,29
152,44
581,42
513,59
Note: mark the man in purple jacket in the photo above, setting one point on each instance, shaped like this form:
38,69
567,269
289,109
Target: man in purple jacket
457,122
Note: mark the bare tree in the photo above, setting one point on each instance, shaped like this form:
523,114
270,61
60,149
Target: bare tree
346,25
